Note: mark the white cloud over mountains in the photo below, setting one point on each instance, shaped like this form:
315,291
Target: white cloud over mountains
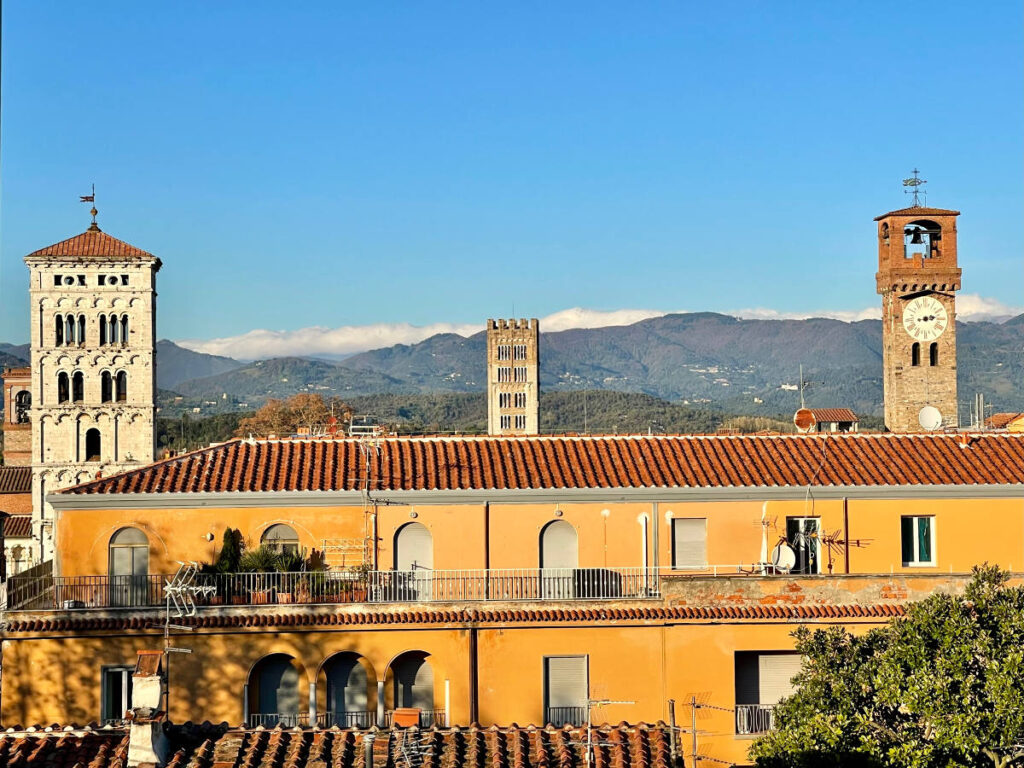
351,339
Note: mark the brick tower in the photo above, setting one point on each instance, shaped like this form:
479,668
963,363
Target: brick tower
918,278
93,336
513,377
17,384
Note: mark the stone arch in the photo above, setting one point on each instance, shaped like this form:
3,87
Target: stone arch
275,690
409,683
349,682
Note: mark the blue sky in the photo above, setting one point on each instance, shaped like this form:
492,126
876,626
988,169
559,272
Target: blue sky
345,164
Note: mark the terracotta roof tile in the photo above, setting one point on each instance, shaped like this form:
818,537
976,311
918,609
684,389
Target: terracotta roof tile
918,210
833,414
471,463
92,243
15,479
18,527
1002,420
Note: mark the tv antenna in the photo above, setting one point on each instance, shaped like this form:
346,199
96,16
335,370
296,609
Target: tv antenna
915,183
591,704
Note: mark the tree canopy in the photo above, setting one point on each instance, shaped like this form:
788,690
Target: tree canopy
286,417
943,686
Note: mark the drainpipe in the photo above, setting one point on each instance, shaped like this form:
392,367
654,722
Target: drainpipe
474,677
846,532
655,537
487,550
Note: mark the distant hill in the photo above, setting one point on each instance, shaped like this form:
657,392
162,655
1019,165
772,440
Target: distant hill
13,355
176,364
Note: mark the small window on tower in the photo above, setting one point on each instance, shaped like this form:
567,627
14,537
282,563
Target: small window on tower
57,280
520,374
520,421
101,279
81,280
915,354
520,351
506,422
124,279
504,352
933,354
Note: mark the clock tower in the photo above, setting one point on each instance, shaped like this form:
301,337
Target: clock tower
918,278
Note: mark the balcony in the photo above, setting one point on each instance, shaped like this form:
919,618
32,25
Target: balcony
45,592
754,718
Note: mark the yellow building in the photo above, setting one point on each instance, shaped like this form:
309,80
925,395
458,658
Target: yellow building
503,580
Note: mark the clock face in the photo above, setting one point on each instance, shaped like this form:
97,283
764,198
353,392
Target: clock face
925,318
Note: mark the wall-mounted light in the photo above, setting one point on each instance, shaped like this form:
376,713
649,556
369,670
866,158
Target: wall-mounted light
558,513
208,537
413,514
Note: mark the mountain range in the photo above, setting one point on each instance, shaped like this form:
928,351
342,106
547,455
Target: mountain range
707,359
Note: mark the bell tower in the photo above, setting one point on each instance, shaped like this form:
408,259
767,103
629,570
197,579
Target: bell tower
918,278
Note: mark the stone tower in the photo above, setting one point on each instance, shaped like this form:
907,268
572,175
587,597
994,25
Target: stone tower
93,335
17,384
513,377
918,278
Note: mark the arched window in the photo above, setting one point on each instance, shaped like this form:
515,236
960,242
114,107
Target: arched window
915,354
413,684
121,386
347,692
112,328
933,354
922,238
80,338
63,388
22,406
124,329
128,567
77,387
59,330
103,330
280,538
69,329
414,548
559,559
106,387
93,445
274,692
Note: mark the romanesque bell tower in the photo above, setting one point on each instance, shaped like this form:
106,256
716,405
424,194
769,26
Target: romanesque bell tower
513,377
93,336
918,278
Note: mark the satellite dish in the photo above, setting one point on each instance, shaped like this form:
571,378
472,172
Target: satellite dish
804,420
783,557
930,418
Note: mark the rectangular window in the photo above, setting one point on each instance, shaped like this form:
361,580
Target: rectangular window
101,280
57,280
504,399
762,680
81,279
689,542
918,540
504,375
124,279
566,689
115,693
520,421
520,374
520,351
804,536
520,399
504,352
506,422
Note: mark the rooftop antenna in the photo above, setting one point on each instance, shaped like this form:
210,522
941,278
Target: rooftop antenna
91,198
802,386
914,183
591,704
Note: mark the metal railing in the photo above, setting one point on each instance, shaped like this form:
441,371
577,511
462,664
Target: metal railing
334,587
346,719
428,718
321,719
754,718
561,716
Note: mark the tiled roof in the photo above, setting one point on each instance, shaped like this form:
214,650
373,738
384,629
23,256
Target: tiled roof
468,463
206,746
367,617
919,210
18,527
833,414
1001,420
92,242
15,479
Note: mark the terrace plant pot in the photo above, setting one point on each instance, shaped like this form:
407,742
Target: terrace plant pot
217,600
261,596
284,597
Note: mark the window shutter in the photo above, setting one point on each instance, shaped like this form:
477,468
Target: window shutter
414,545
747,690
907,538
566,681
775,671
689,542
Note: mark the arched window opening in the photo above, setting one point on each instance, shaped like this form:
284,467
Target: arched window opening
414,559
922,238
124,329
80,337
103,330
63,388
113,328
348,688
281,538
128,568
121,386
933,354
22,406
93,445
106,387
412,685
274,692
559,560
915,354
59,329
69,329
77,387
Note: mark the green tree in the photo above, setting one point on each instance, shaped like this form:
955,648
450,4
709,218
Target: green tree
943,686
230,551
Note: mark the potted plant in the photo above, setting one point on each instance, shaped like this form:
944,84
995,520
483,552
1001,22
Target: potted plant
260,562
288,562
360,582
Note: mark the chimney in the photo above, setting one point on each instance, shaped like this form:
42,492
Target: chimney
147,740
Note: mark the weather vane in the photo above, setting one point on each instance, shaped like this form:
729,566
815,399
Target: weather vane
915,185
91,198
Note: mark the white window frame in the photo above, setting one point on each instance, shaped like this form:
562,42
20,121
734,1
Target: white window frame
917,562
126,679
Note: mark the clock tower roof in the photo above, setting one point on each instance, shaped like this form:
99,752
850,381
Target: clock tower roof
918,211
93,243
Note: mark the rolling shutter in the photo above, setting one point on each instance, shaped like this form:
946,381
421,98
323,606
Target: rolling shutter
566,682
415,545
689,542
775,671
558,546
